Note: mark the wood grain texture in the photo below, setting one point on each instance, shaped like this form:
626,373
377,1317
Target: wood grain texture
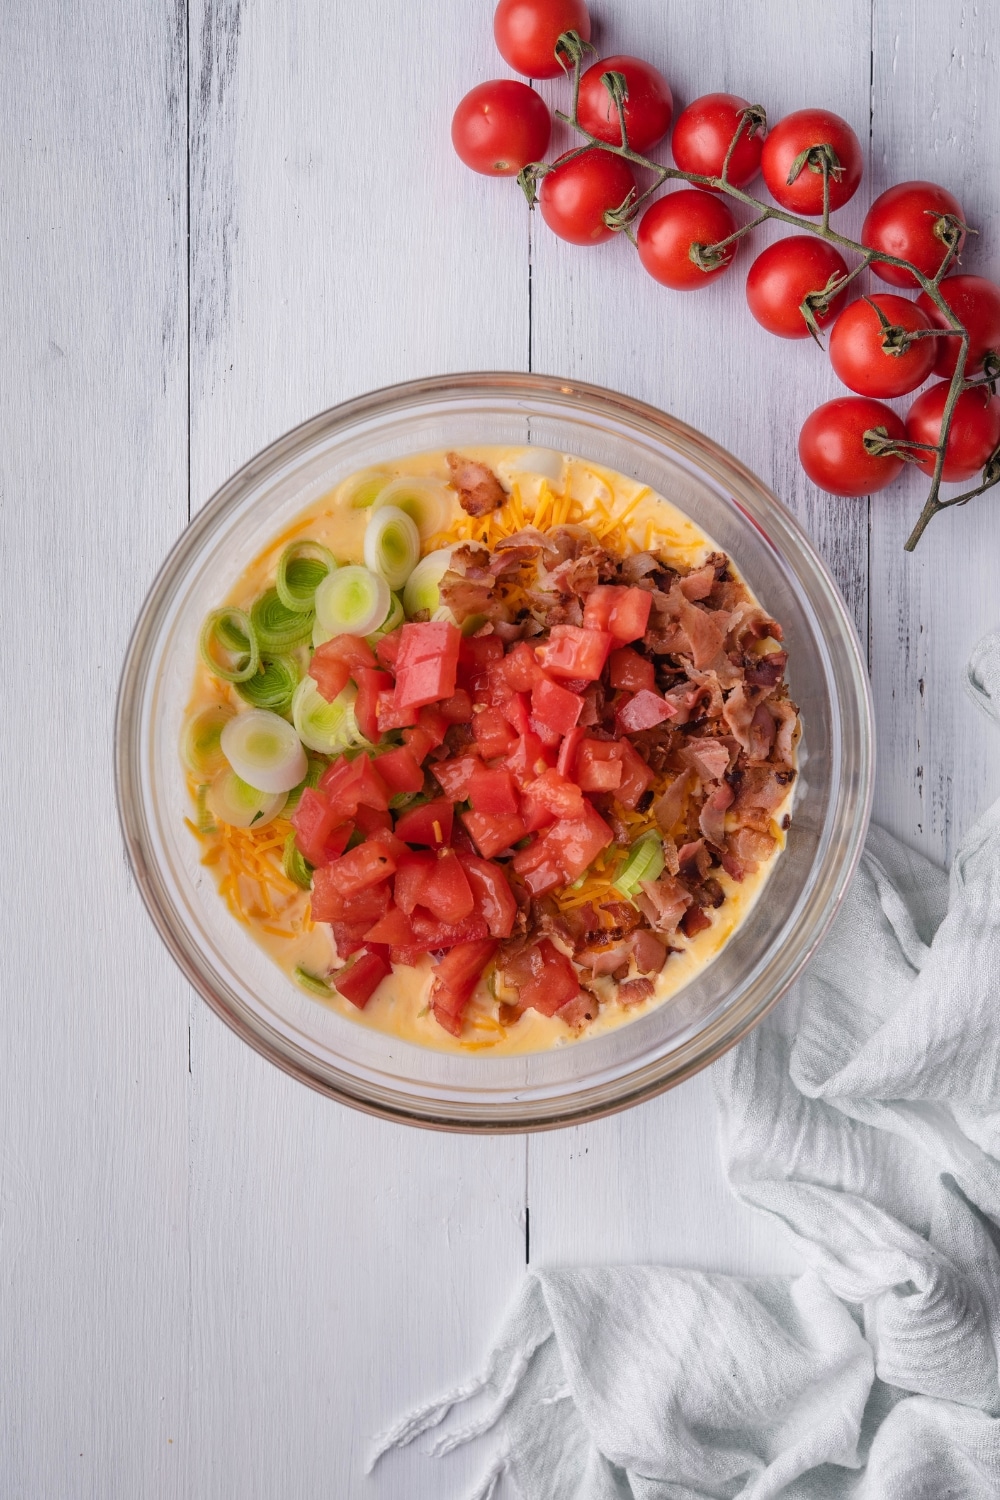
93,1024
214,1283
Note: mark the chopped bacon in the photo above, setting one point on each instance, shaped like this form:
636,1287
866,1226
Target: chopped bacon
695,860
639,566
698,585
712,820
761,735
479,489
649,951
663,902
604,958
751,848
709,759
739,713
764,787
635,990
765,671
787,718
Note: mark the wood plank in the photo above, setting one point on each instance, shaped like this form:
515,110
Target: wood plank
648,1185
343,1269
93,485
938,761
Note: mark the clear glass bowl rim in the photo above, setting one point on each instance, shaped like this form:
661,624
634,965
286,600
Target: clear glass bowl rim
842,856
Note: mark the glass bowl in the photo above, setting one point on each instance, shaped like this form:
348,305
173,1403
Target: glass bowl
582,1079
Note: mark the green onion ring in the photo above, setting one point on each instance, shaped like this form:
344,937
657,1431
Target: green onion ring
278,628
301,569
273,686
227,626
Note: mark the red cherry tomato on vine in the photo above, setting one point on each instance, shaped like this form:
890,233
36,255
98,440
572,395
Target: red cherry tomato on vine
499,127
702,136
976,303
857,354
782,277
575,195
799,132
972,438
902,221
672,225
831,447
526,32
649,105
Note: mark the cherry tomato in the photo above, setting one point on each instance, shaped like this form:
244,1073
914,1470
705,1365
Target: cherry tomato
972,437
526,32
782,277
649,104
832,452
800,132
500,126
575,195
672,225
861,362
902,221
976,302
702,136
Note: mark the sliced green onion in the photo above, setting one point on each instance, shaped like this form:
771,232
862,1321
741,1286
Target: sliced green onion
264,751
426,501
230,630
352,601
294,865
361,490
394,618
200,747
423,587
645,862
231,800
301,569
392,545
317,765
204,821
312,982
272,687
277,628
322,726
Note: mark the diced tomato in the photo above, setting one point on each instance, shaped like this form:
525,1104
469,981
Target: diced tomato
371,683
394,928
535,811
330,674
364,865
478,651
572,651
457,709
520,668
314,820
539,867
395,847
409,955
431,933
427,663
433,722
544,978
492,835
411,872
329,904
517,711
599,766
644,710
350,652
561,798
455,775
362,978
550,738
446,892
567,848
349,936
630,671
528,758
353,783
391,715
566,764
388,647
493,734
418,742
555,706
493,895
400,771
455,977
428,641
369,820
624,612
428,824
492,792
637,777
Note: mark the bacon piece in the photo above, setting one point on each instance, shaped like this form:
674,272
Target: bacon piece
739,713
637,567
709,759
669,809
761,735
479,489
705,630
695,860
698,585
765,671
528,537
709,702
663,902
649,951
633,991
712,821
580,1010
762,788
787,717
750,849
604,958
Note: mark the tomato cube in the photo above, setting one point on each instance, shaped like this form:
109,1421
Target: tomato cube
637,777
411,872
338,659
563,798
446,892
362,978
429,824
431,641
362,866
630,671
477,652
371,820
387,648
644,710
455,774
572,651
599,604
457,709
554,707
517,711
330,675
353,783
569,846
599,766
528,758
393,928
400,771
566,764
624,612
391,715
349,937
492,792
492,835
433,722
455,977
418,742
493,734
314,820
520,668
431,933
371,683
493,896
544,978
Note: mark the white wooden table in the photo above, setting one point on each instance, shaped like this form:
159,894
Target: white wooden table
218,219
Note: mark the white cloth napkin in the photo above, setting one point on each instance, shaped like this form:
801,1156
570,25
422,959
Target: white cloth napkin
864,1115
